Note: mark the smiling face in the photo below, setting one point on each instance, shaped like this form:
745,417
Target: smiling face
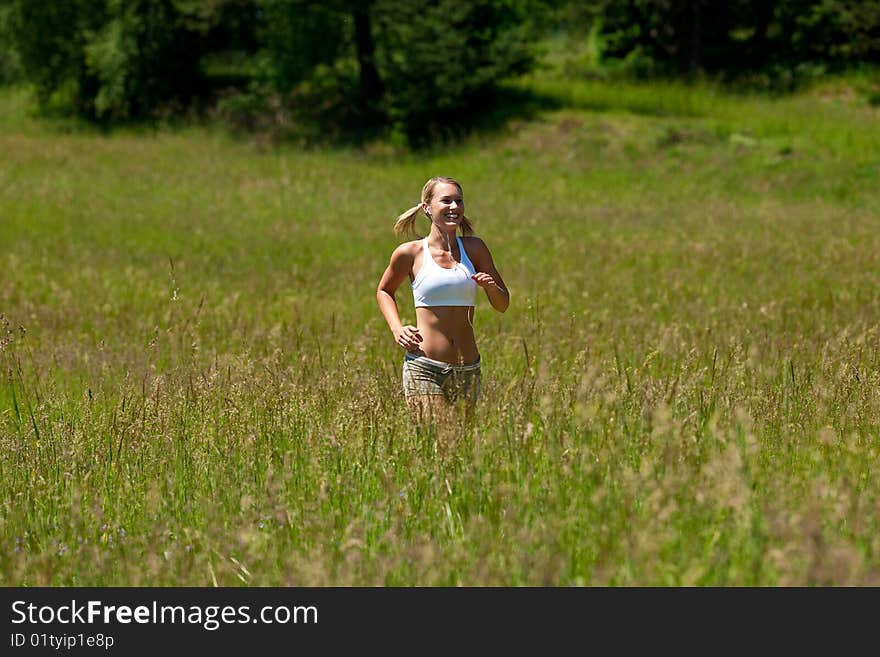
445,208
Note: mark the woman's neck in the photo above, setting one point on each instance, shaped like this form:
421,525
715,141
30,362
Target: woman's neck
443,239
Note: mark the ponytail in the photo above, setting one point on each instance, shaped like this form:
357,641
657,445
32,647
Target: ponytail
467,227
406,223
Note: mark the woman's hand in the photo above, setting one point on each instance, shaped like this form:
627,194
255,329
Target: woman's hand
498,296
408,337
485,280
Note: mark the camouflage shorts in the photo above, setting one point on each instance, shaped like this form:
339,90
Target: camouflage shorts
424,376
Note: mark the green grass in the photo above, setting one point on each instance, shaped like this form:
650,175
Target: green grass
198,387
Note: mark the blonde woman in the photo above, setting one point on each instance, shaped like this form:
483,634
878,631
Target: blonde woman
442,363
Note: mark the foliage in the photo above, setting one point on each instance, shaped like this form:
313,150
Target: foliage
416,64
310,82
412,69
48,38
10,61
443,60
298,36
690,36
141,58
114,59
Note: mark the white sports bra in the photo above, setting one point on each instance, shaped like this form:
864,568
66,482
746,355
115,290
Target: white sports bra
437,286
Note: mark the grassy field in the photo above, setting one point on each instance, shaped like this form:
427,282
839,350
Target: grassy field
198,388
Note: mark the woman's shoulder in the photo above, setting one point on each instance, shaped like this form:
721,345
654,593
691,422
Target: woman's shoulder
410,247
407,250
473,242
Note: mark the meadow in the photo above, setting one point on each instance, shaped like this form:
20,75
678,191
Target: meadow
198,388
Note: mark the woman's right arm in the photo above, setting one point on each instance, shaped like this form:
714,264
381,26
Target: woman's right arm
406,336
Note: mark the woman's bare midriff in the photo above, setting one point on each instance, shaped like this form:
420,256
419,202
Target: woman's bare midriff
447,334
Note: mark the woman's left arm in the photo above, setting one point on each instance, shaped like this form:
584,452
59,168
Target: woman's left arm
487,276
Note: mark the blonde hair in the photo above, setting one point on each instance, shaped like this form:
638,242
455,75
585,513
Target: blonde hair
406,223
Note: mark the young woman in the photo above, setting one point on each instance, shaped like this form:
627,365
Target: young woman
442,363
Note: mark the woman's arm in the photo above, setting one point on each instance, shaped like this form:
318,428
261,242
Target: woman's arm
487,276
407,336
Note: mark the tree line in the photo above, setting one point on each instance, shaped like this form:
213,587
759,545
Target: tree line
733,37
412,66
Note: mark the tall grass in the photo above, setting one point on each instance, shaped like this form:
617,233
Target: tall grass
198,388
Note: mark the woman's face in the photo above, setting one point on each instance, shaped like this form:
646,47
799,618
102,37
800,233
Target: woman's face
446,207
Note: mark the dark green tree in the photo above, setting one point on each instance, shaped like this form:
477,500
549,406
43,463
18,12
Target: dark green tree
119,59
690,36
442,61
10,61
420,66
49,40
